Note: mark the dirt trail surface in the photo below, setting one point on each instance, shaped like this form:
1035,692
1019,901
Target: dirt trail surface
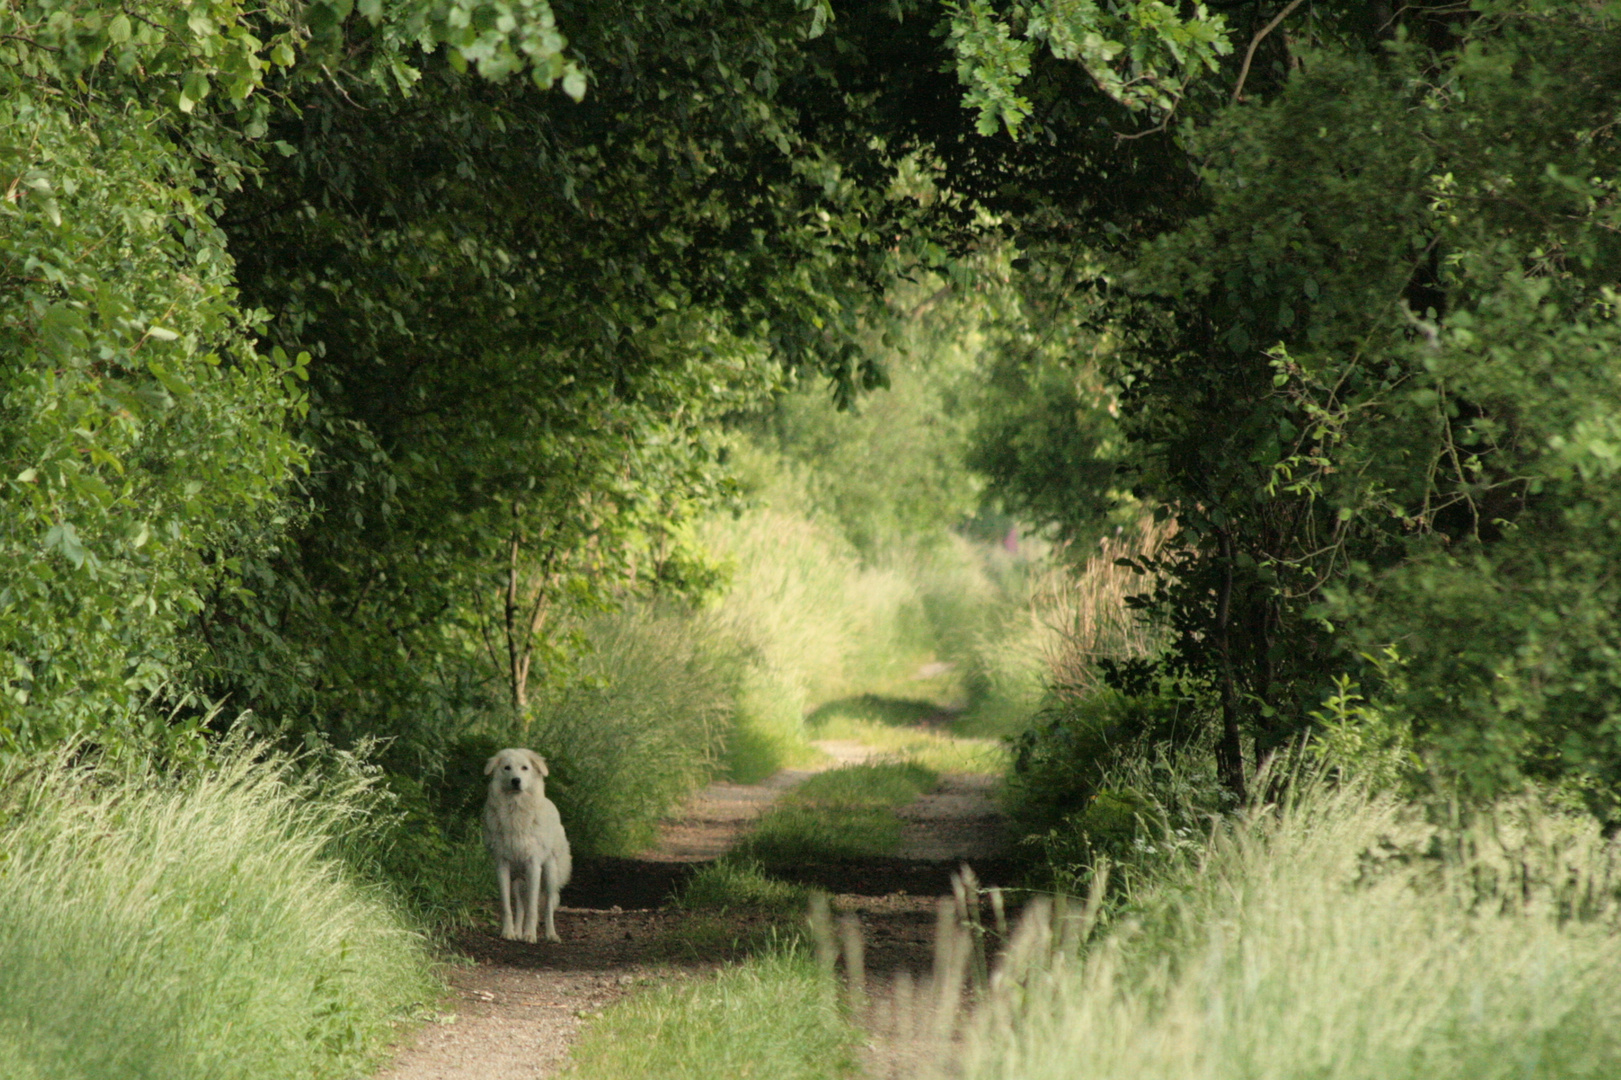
514,1008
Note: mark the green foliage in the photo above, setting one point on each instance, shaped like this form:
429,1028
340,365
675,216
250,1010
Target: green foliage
1420,458
991,63
191,926
147,441
527,317
1143,53
888,471
1045,442
144,441
1063,760
777,1015
1360,339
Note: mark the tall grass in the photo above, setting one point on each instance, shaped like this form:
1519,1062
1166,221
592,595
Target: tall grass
809,620
775,1016
644,722
1081,611
153,926
1331,939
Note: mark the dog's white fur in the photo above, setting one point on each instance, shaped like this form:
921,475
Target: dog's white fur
524,833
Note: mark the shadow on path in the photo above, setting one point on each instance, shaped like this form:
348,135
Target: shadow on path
894,711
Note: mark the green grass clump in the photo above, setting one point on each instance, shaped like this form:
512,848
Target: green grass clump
880,784
734,908
1337,937
154,926
741,884
839,814
775,1016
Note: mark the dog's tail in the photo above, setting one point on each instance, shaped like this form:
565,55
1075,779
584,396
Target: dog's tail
565,865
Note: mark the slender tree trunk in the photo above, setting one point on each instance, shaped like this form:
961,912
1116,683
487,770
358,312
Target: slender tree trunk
1267,739
1230,748
523,617
517,648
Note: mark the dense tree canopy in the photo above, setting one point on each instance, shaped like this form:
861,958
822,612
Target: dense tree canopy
1368,363
348,347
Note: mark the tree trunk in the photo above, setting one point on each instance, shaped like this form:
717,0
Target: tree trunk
1230,748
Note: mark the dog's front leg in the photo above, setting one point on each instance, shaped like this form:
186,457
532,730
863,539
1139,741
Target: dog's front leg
531,896
503,876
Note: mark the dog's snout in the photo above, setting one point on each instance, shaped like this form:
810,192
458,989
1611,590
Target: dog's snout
517,783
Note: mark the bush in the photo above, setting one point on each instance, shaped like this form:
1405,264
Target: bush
1061,761
191,926
1109,776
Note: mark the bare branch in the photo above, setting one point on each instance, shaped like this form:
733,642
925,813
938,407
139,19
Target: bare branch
1249,54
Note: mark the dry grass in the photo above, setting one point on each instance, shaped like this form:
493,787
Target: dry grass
1083,613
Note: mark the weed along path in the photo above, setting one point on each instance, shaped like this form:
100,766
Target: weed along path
515,1009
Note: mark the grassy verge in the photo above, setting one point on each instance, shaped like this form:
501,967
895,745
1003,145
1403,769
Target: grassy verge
841,813
775,1016
1331,938
191,927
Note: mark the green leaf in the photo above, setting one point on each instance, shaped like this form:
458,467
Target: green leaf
195,89
574,83
62,335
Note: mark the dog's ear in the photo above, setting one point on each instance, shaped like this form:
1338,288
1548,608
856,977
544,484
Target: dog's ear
489,766
540,764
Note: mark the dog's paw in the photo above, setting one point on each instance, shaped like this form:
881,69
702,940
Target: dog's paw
554,939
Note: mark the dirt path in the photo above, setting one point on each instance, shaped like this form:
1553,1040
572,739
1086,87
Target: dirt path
515,1009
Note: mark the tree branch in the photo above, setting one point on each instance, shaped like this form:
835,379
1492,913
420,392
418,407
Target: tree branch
1249,54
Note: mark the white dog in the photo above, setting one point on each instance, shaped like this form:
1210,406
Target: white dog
524,833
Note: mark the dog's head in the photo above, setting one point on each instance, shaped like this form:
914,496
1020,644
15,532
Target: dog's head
515,771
